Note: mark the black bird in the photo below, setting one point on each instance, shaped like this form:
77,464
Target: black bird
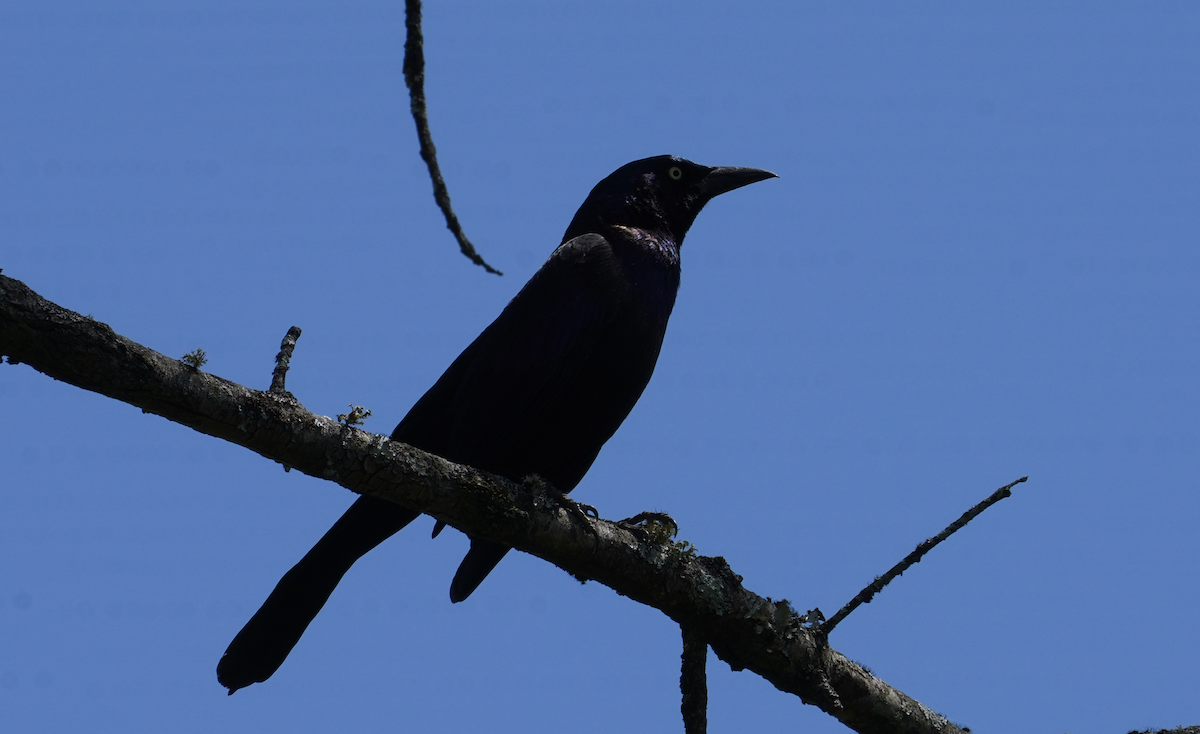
538,392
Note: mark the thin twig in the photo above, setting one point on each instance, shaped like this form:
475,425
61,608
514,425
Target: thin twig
693,681
864,596
283,360
414,77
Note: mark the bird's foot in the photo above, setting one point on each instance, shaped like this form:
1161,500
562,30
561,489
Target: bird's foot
581,512
647,525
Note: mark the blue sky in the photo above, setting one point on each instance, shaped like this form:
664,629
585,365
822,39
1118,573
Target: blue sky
979,262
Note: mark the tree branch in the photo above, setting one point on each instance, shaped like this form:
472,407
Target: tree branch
283,360
414,79
745,630
876,586
693,681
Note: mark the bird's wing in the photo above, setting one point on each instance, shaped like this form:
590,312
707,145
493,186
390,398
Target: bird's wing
492,397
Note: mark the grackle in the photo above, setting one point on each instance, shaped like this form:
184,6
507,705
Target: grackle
538,392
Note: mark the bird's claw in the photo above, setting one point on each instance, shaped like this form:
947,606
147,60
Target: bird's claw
643,523
583,513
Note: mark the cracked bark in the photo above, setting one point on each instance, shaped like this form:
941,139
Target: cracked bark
747,631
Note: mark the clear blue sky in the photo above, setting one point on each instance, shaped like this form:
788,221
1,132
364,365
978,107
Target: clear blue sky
979,262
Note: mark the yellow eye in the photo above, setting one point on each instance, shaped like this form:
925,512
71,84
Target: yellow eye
675,173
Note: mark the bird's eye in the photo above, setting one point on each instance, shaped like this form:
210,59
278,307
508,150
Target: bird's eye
675,173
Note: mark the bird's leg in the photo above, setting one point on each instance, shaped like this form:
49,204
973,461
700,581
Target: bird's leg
585,510
644,524
581,512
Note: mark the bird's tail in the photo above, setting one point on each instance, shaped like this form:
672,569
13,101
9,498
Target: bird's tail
479,562
263,644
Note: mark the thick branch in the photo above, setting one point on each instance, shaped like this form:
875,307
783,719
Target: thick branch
745,630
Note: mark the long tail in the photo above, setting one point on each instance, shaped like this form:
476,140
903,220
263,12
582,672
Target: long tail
264,643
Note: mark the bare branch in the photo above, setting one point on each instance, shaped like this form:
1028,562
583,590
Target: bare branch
745,630
865,596
414,78
283,360
693,681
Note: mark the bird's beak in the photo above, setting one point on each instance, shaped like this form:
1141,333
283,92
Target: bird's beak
724,179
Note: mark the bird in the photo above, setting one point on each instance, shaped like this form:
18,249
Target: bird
538,392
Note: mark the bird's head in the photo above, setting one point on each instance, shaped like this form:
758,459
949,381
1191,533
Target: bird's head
660,195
